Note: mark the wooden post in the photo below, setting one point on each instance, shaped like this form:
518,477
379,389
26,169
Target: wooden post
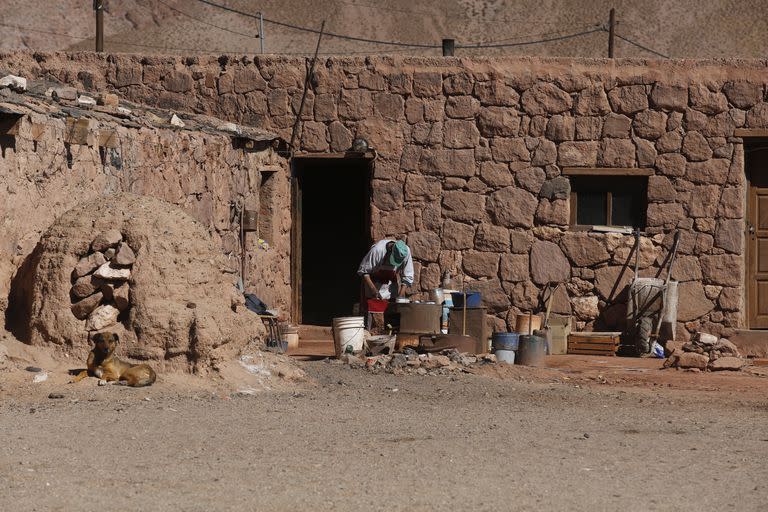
98,6
611,32
448,47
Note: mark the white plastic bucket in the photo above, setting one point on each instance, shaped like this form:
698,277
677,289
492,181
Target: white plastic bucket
349,331
505,356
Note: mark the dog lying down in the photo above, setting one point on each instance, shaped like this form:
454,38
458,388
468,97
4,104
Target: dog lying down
105,365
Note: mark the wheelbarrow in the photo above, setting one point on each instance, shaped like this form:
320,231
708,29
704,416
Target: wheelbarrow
651,301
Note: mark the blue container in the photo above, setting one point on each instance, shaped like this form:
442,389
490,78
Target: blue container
474,299
505,341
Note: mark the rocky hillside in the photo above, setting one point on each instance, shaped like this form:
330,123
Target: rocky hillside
678,28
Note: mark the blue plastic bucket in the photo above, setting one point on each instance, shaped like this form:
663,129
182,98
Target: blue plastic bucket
474,299
505,340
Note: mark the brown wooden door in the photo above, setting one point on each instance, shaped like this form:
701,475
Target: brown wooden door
757,240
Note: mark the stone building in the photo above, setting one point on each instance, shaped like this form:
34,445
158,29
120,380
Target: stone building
497,169
59,152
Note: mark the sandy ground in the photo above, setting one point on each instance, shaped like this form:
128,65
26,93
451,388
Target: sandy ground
587,434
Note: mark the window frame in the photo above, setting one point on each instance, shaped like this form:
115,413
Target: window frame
594,175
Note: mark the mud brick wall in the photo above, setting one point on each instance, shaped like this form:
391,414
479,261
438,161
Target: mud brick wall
471,153
202,173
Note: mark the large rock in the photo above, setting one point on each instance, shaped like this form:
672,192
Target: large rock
722,269
548,263
106,239
545,98
86,285
743,94
160,328
612,281
586,308
88,264
109,273
577,154
583,250
670,97
425,245
492,238
124,256
692,360
650,124
83,308
512,207
102,317
457,235
628,99
727,363
692,301
696,147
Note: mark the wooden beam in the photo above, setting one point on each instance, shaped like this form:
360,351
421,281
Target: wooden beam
608,171
368,155
751,132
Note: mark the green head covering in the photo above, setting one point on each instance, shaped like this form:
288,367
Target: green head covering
398,254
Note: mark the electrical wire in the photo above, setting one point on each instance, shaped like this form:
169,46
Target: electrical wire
204,22
315,31
527,43
30,29
650,50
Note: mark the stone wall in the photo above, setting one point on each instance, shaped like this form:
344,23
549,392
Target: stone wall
202,173
471,153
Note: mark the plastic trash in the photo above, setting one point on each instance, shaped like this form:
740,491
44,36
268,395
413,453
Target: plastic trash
657,350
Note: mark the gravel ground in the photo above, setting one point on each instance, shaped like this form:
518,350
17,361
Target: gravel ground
358,441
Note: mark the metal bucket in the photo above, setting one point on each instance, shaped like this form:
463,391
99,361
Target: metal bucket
531,351
505,341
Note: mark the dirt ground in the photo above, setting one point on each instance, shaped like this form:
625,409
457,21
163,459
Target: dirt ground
584,434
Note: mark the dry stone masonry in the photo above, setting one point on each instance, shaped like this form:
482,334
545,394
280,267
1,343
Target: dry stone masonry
471,156
101,288
142,268
704,352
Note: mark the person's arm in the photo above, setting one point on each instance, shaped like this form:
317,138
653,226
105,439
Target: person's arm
369,284
407,275
366,267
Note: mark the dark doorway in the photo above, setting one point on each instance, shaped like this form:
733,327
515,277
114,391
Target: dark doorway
332,234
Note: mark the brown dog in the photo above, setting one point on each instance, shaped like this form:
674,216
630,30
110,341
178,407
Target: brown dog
104,364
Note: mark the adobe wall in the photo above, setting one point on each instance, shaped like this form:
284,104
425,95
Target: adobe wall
200,172
471,152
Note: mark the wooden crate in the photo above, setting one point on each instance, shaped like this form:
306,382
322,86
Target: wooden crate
594,343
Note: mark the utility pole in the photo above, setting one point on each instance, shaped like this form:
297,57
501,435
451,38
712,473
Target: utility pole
261,32
611,32
98,6
448,47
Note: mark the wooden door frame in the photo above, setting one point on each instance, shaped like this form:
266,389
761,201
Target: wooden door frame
296,227
750,289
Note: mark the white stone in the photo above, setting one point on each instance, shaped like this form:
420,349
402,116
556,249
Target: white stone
124,111
14,82
113,274
229,127
585,307
102,317
86,101
175,121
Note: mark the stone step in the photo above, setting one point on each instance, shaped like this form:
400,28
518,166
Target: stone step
751,343
315,332
317,348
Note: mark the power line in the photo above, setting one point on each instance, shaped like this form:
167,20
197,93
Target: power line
641,46
30,29
203,21
315,31
526,43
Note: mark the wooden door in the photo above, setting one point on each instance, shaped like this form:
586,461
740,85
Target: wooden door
757,240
